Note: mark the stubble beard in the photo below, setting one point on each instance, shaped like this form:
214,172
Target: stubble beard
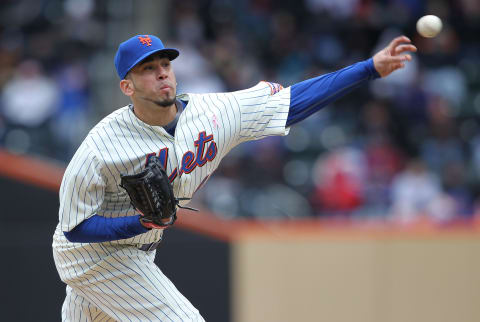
165,102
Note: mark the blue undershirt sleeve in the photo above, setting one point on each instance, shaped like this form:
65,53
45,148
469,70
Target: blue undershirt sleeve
309,96
97,229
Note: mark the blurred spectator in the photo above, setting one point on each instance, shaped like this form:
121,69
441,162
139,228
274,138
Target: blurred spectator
384,162
441,145
70,123
456,186
447,82
417,193
339,179
29,100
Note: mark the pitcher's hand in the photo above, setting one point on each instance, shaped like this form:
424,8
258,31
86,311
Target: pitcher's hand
393,56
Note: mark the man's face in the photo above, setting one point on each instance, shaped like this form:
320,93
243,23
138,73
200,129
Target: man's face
154,81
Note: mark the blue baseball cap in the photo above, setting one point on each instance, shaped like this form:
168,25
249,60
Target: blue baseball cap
136,49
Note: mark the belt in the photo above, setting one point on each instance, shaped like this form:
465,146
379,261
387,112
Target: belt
150,247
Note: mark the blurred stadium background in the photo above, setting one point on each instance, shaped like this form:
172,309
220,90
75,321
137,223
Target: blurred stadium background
401,151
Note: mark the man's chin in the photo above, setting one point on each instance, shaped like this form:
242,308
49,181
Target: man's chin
165,102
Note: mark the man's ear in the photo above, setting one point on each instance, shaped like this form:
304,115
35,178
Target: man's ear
126,85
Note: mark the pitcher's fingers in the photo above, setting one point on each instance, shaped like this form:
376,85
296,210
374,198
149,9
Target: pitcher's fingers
397,41
402,48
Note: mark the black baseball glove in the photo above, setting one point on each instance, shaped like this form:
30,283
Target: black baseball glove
152,195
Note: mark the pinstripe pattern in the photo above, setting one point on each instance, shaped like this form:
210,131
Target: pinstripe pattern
114,280
77,308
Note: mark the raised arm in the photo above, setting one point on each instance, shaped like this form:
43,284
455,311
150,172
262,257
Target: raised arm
311,95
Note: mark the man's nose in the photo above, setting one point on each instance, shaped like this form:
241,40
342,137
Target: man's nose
162,73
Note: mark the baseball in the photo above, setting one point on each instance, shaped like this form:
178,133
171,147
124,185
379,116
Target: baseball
429,26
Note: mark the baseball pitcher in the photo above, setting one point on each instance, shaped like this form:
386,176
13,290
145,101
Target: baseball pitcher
139,164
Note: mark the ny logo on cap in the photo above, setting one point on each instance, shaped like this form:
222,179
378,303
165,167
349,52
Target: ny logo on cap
145,40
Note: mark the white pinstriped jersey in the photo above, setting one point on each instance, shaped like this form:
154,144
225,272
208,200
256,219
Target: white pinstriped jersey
111,280
209,127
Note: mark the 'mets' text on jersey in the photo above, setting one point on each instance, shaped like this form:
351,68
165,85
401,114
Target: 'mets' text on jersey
190,159
207,129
